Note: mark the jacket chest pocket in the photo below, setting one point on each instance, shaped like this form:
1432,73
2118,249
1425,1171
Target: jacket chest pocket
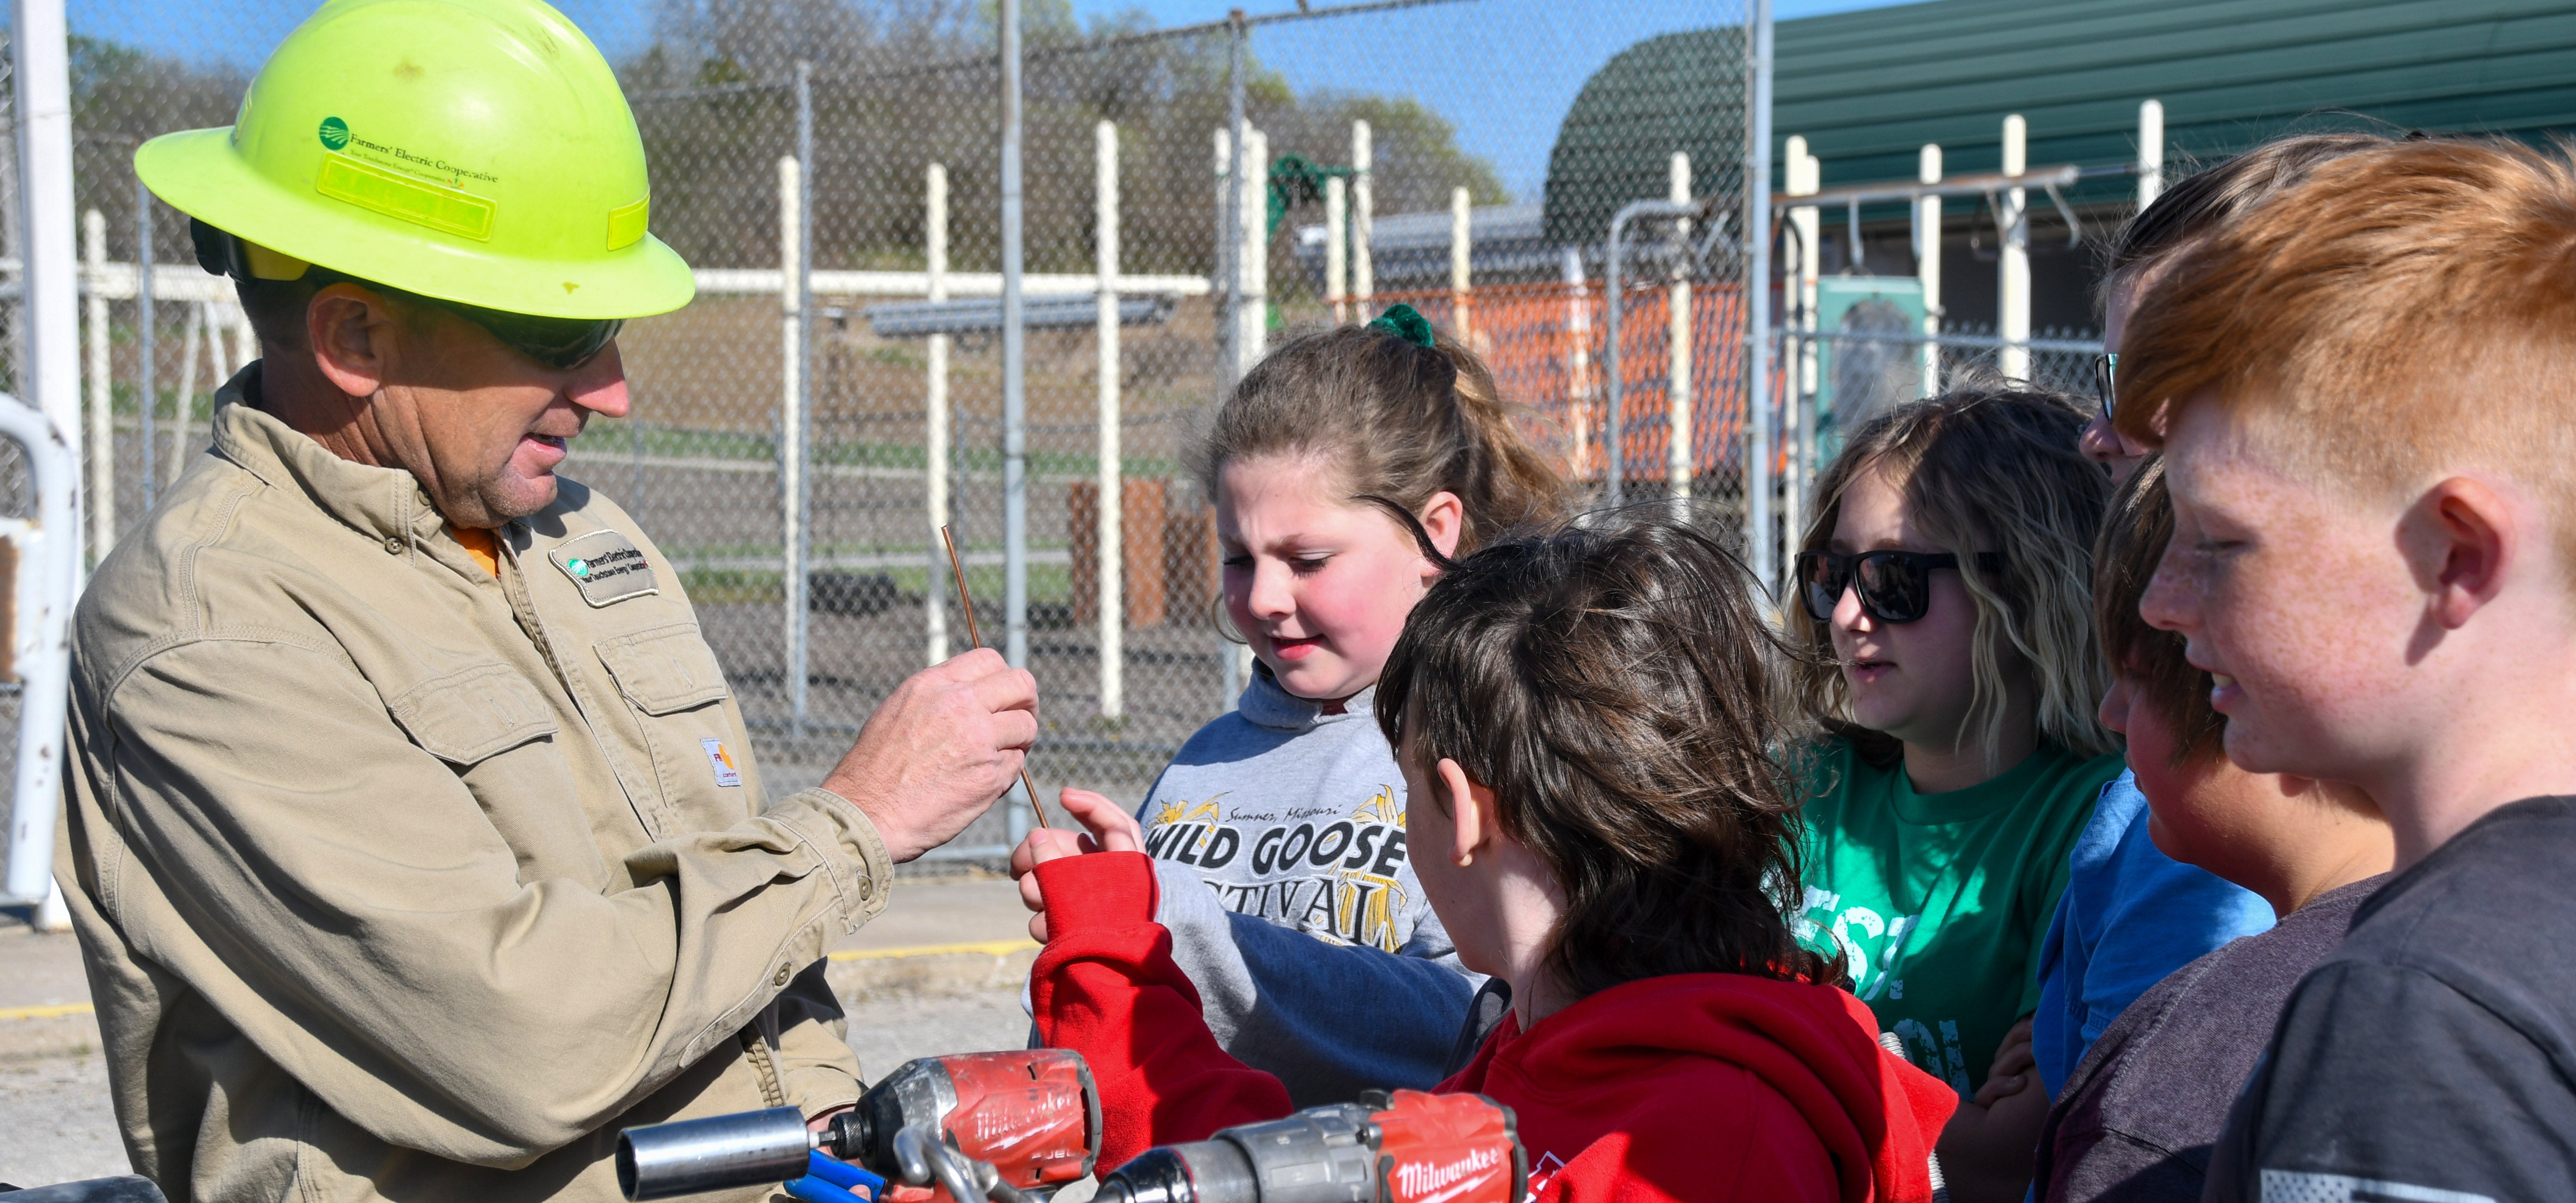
676,694
498,733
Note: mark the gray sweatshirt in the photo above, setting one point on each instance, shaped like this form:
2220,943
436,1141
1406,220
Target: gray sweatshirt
1278,838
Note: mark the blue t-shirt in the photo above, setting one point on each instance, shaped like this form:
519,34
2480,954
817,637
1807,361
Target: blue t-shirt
2130,916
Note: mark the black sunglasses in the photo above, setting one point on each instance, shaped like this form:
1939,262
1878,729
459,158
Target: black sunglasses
1894,586
2105,366
560,343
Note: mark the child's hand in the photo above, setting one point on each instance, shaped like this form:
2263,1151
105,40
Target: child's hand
1112,830
2014,1060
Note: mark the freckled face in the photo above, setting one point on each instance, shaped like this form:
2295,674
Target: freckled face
1320,586
2298,602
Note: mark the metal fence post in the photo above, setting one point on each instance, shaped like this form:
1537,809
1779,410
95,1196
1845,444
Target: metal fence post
1462,259
1578,360
1757,510
1679,457
1015,401
791,429
1927,264
1798,427
1363,217
1110,535
934,446
146,330
1230,259
1337,233
50,376
48,581
1614,385
2012,281
2151,152
102,391
798,612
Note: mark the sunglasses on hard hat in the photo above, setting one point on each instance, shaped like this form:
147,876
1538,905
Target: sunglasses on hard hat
1894,586
560,343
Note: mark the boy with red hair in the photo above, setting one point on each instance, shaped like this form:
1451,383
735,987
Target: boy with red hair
2363,391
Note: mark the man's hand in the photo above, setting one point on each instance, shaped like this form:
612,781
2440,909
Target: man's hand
939,750
1112,830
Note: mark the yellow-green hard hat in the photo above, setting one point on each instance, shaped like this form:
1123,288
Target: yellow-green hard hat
469,150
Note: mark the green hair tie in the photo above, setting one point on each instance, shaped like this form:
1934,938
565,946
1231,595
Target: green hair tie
1407,323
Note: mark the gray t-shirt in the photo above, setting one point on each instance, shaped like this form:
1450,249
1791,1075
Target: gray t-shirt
1278,837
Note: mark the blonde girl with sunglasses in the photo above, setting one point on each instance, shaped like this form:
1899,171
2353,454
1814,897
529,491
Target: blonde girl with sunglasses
1943,600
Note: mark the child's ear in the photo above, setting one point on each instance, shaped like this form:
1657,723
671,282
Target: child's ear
1471,812
1444,518
2469,538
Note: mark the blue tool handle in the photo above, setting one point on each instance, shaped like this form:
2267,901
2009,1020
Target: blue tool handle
815,1190
842,1174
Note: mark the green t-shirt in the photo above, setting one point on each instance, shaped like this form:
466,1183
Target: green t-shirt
1940,901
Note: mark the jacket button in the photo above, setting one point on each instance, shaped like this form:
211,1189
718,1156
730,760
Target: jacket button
867,889
393,545
781,978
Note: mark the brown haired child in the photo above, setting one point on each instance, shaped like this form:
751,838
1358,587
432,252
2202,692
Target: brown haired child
1584,722
2136,1119
2362,391
1279,830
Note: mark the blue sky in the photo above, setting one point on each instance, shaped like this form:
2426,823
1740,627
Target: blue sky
1505,95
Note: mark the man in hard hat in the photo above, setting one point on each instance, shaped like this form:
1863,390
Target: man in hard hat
414,839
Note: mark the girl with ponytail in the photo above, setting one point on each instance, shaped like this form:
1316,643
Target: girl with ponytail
1278,832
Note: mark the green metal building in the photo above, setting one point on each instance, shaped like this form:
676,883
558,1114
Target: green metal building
1867,89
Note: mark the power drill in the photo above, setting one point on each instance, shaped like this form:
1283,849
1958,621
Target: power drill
1011,1127
1408,1147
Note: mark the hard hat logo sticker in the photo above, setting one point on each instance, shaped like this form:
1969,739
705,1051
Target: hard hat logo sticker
335,133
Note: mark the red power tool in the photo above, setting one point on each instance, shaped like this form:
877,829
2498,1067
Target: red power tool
1408,1147
965,1129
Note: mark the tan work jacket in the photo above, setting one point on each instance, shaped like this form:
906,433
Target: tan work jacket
397,881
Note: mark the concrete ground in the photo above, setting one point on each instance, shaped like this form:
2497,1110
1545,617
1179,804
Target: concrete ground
909,989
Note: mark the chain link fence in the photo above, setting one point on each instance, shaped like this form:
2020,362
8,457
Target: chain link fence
1469,157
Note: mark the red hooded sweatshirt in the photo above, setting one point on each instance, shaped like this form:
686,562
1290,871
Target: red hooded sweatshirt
1697,1086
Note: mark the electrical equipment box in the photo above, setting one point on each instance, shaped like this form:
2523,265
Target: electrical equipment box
1865,361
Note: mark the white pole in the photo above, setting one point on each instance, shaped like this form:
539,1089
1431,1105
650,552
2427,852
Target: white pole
1927,263
1462,250
1252,258
51,372
1015,396
1761,540
1804,171
48,581
1112,542
791,428
2151,152
1680,448
1578,364
1337,291
245,341
102,430
1805,174
2013,269
196,332
1363,218
935,417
